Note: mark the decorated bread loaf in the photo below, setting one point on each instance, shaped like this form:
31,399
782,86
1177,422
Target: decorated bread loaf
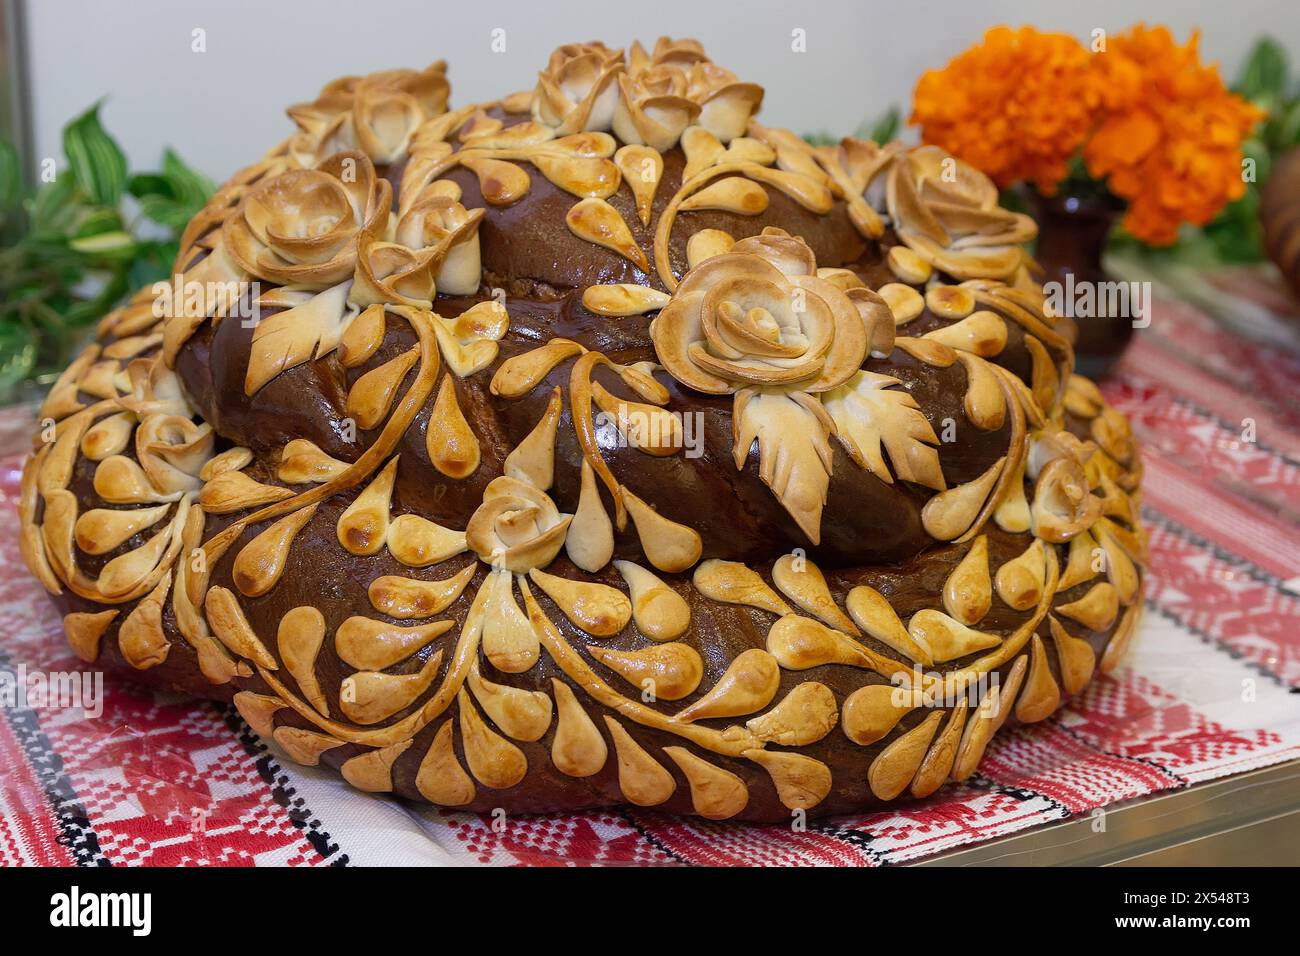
595,445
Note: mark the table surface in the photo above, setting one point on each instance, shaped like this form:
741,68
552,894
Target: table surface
1190,752
1252,819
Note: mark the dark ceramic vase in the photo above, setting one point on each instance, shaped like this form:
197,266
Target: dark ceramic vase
1072,235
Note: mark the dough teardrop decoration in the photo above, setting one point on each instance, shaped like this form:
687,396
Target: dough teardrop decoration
304,747
367,697
1096,610
803,583
1074,657
734,194
501,183
642,779
968,591
262,561
662,672
949,514
871,712
801,781
228,623
303,461
747,685
874,614
716,794
440,778
946,638
896,765
299,640
600,223
369,644
100,530
418,542
669,546
578,749
661,614
509,641
598,609
1041,695
590,541
494,761
805,715
225,494
533,459
408,598
642,168
522,714
1020,582
372,395
373,771
734,583
450,441
364,525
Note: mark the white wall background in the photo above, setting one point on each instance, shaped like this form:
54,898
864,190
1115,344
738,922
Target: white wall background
223,108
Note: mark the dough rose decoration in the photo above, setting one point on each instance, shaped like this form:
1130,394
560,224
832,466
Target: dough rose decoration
377,114
946,211
653,108
517,527
577,91
1063,504
759,323
665,91
648,100
757,316
300,227
441,224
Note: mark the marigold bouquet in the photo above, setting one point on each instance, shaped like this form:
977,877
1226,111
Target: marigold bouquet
1137,113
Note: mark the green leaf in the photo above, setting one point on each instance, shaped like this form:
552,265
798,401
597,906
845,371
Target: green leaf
118,245
97,163
820,139
54,207
189,186
167,212
98,220
17,356
90,310
1265,72
885,127
11,180
152,263
1288,126
149,184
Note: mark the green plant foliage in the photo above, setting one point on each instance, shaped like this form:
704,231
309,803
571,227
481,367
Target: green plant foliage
73,249
880,130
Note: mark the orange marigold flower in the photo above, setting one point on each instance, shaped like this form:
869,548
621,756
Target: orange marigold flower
1170,135
1017,106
